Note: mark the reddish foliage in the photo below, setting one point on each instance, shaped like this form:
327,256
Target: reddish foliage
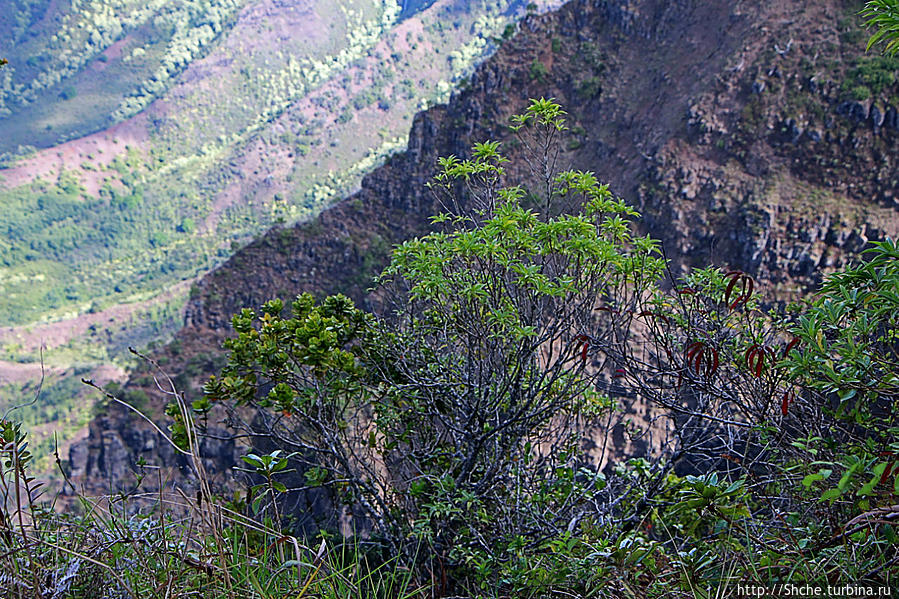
755,358
701,358
785,401
790,346
586,341
886,472
746,284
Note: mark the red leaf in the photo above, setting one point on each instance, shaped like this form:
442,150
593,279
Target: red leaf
886,472
619,372
734,277
740,299
693,348
755,359
747,284
790,346
785,402
750,355
701,358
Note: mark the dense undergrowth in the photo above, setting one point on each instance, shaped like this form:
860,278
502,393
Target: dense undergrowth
472,434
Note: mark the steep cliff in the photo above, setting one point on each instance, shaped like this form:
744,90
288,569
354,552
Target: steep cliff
757,137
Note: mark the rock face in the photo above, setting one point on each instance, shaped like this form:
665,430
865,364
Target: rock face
725,122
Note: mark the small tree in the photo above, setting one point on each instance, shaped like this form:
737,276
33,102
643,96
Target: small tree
458,420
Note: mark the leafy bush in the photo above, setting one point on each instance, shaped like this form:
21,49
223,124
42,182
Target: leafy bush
428,426
538,71
883,15
871,76
68,92
464,434
460,422
848,363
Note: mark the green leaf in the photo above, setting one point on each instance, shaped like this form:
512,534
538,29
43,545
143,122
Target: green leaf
734,487
823,473
831,494
253,460
847,476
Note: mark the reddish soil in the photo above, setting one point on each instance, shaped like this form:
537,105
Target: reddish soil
98,149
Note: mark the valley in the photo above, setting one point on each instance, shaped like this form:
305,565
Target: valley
143,144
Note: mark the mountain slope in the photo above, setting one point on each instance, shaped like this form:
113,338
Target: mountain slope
171,134
279,111
728,124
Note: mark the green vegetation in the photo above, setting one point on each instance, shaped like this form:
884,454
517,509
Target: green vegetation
160,41
883,16
100,549
850,336
870,76
61,405
455,430
464,433
61,399
68,92
589,88
496,352
538,71
154,216
62,246
124,222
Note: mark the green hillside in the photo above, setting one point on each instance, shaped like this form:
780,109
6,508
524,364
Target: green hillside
116,217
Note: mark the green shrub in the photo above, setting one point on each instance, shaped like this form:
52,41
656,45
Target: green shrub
870,77
516,329
538,71
589,88
454,429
